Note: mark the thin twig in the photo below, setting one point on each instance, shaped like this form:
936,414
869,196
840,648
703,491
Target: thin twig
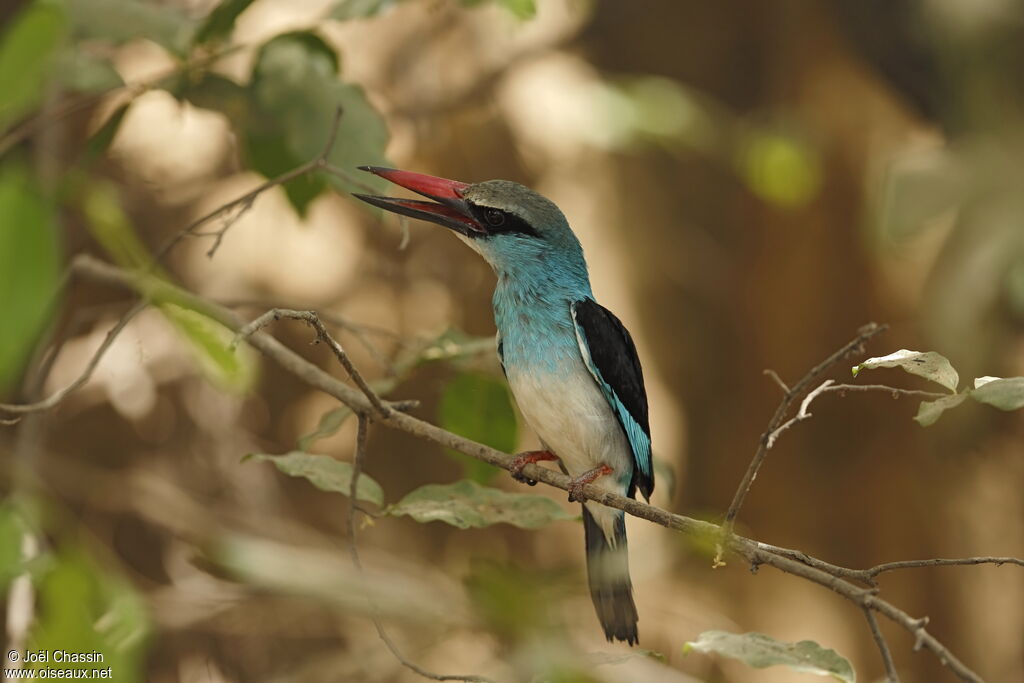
896,392
883,647
857,343
801,415
311,318
360,331
58,396
755,553
357,469
246,201
778,380
940,562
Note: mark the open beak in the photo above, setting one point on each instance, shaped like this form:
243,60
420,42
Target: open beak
448,208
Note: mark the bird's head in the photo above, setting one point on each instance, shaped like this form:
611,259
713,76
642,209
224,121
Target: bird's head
510,225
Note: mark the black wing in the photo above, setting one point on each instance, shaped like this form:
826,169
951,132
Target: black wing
611,357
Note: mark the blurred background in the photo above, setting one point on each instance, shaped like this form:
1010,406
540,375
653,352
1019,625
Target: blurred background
751,182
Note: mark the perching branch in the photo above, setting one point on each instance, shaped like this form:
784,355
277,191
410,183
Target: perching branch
837,579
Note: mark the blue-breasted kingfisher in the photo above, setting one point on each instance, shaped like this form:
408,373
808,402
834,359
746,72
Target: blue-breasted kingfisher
571,365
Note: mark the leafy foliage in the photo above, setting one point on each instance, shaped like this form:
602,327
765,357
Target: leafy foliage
479,407
1005,394
466,504
761,651
12,529
330,423
27,49
84,608
324,472
930,365
121,21
221,21
29,268
284,115
208,339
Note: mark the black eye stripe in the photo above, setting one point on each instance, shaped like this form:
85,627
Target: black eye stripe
498,222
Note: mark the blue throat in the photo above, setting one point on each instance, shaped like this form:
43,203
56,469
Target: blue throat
532,309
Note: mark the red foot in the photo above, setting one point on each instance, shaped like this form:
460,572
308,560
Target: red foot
528,458
577,484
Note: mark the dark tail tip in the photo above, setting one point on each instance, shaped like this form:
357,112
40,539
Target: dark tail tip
608,576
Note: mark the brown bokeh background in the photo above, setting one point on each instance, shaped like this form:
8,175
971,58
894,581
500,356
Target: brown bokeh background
751,182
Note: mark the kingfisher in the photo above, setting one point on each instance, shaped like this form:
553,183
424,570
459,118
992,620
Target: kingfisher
570,363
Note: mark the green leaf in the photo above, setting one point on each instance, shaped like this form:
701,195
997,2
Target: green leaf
295,93
83,607
522,9
330,423
232,370
221,21
479,407
761,651
930,365
467,504
324,472
84,72
12,530
218,93
29,269
930,411
1005,394
99,143
359,9
121,21
27,50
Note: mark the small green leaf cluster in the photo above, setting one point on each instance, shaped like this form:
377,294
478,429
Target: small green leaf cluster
761,651
1003,393
81,605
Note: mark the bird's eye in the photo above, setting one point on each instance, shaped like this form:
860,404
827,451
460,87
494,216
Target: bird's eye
494,217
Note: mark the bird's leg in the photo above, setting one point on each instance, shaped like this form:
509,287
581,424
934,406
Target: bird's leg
528,458
577,484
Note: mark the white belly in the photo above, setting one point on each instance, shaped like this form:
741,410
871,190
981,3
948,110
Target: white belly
573,419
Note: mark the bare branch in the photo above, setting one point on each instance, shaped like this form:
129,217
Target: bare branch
801,415
883,647
778,380
896,392
853,346
940,562
58,396
310,317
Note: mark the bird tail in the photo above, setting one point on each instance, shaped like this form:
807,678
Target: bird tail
608,576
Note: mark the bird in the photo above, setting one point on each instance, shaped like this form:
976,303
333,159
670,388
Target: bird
571,365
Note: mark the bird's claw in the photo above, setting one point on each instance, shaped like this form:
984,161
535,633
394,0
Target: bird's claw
576,493
575,488
517,474
528,458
